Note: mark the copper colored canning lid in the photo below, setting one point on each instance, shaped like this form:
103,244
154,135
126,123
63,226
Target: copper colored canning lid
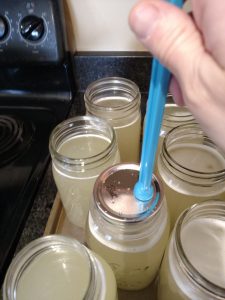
113,194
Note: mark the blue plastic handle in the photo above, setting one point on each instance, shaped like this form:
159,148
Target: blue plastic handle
158,90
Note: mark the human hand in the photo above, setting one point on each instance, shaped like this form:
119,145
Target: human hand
193,49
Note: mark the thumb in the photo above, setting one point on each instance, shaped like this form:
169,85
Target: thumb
169,34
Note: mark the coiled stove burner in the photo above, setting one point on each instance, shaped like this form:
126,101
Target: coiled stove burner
15,137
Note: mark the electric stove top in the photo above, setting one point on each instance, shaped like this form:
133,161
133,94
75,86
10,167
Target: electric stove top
36,93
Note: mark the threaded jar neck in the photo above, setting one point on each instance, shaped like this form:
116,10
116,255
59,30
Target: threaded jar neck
209,210
114,98
189,140
175,116
82,126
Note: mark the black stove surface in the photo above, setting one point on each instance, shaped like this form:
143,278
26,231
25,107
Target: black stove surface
24,136
36,93
30,107
32,101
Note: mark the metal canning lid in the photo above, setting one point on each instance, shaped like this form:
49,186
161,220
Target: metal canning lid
113,195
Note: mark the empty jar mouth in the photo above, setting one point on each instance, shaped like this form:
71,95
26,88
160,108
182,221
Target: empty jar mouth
209,209
82,126
191,136
124,93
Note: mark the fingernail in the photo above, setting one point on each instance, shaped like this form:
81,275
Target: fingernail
143,19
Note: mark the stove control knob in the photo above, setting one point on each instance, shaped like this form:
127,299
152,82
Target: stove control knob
4,28
32,28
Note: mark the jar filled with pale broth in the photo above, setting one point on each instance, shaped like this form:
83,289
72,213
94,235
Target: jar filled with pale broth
130,235
56,267
193,265
192,169
173,116
117,100
81,148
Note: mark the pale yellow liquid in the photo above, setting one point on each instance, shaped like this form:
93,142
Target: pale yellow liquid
195,157
107,273
57,275
158,151
128,134
178,116
134,267
128,138
63,275
203,241
75,188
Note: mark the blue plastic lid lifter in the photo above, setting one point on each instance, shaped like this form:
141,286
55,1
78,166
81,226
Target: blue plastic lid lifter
158,90
155,108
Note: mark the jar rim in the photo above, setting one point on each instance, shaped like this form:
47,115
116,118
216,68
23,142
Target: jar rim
188,267
165,154
117,83
70,123
169,116
37,247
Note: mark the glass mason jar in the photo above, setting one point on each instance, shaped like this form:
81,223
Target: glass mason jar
118,101
193,265
81,148
173,116
130,235
192,168
56,267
